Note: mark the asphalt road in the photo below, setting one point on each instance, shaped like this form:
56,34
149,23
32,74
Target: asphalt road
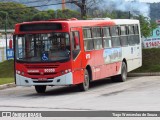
136,94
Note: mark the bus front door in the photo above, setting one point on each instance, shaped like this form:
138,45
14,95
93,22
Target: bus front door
77,55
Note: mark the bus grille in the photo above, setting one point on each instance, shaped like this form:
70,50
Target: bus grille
41,66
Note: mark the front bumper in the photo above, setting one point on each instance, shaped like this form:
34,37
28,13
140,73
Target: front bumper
66,79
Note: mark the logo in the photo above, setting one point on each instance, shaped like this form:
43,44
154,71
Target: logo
88,56
45,56
6,114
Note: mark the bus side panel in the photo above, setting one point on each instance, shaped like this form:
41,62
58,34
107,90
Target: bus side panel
107,62
88,61
132,54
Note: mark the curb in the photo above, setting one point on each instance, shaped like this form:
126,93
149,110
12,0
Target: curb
9,85
143,74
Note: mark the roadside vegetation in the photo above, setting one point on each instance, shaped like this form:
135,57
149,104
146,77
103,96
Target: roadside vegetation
6,72
150,61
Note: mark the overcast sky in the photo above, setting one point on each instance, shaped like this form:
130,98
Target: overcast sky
151,1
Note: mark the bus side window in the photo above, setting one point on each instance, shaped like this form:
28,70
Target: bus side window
131,35
115,36
97,38
136,31
123,36
75,43
88,41
106,37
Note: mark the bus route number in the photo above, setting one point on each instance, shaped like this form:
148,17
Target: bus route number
49,70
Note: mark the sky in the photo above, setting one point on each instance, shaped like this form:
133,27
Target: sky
150,1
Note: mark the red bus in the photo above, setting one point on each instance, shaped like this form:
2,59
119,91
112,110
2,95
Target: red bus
75,52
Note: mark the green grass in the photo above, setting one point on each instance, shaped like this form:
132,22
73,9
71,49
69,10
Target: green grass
6,72
150,61
7,69
6,80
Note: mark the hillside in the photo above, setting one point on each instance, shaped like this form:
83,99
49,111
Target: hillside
154,7
15,13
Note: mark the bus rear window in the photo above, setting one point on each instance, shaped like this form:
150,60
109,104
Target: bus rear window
40,26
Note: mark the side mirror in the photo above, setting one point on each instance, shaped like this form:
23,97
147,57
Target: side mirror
76,41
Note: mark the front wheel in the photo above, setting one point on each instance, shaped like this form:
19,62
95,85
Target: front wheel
40,88
85,85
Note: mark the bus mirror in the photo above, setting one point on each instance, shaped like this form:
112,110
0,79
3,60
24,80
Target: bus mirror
10,44
76,41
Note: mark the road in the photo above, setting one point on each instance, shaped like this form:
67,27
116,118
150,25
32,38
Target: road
137,93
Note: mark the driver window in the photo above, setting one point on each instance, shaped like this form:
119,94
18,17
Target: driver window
75,43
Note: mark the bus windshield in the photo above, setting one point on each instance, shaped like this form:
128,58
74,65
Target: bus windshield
42,47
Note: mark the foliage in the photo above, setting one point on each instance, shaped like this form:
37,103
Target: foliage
150,61
15,13
6,69
51,14
147,25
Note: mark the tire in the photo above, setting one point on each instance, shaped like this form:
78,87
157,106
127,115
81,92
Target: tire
85,85
123,76
40,88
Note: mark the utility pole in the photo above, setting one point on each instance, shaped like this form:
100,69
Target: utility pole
129,14
63,5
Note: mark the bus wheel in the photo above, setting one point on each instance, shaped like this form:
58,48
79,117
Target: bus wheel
123,76
85,85
40,88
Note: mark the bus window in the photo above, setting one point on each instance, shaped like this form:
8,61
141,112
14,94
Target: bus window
136,31
35,47
131,35
123,36
87,33
75,43
88,42
115,36
97,37
106,37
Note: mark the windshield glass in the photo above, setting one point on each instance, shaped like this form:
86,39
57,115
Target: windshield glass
42,47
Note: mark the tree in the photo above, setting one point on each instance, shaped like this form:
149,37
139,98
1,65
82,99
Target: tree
147,25
84,5
15,13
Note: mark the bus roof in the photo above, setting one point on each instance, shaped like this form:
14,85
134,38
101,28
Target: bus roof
75,22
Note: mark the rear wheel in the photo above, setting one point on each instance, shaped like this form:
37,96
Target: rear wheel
40,88
85,85
123,76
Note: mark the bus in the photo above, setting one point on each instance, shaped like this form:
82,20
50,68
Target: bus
66,52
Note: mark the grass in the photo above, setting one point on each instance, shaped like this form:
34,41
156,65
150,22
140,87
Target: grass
150,61
7,69
6,80
6,72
